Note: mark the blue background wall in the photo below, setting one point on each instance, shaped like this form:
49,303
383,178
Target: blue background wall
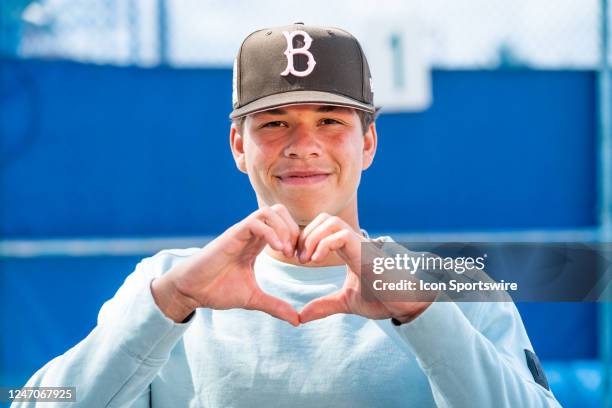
103,151
113,152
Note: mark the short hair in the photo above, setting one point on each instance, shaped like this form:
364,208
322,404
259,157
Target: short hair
366,119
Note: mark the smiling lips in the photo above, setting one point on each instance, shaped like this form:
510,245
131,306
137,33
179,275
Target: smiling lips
303,177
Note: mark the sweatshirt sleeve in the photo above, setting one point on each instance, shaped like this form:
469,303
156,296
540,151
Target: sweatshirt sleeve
480,363
116,363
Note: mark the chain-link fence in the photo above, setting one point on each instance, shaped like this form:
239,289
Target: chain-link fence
466,34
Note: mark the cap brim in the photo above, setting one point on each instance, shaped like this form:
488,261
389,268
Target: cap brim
299,97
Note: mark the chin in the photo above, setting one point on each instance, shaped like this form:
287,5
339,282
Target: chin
304,215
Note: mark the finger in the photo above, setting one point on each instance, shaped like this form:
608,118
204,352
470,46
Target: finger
274,307
324,306
274,220
330,226
308,229
294,229
318,220
259,229
330,243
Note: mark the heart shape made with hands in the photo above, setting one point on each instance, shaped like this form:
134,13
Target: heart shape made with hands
326,234
221,275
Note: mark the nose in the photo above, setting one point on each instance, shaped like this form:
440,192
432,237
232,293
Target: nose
302,144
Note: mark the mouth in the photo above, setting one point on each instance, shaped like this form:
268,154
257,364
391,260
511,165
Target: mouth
302,177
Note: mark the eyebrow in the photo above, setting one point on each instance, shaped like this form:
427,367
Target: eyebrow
330,108
320,109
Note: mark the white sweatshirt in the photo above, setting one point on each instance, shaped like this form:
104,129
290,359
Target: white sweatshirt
452,355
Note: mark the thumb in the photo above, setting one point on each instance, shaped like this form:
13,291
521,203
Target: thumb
324,306
273,306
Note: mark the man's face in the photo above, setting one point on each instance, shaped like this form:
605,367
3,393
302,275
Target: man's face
307,157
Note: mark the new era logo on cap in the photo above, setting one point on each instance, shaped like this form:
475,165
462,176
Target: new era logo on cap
300,64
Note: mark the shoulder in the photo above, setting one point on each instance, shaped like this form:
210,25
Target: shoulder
136,287
382,238
164,260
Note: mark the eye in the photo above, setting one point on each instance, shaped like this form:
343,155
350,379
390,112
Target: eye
273,124
330,121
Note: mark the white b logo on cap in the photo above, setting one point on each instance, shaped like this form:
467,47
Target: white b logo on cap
290,52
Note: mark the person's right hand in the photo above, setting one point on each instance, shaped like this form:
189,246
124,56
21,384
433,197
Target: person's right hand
221,276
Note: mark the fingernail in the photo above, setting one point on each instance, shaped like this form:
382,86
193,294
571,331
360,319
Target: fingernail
278,244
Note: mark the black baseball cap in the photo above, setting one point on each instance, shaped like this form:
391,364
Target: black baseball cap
299,64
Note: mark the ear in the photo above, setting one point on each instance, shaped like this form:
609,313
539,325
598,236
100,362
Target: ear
370,140
237,146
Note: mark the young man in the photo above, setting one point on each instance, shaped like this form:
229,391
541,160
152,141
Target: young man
270,313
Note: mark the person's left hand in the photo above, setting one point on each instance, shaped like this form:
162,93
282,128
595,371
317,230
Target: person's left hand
328,233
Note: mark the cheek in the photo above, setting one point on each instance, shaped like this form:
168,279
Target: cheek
257,162
352,161
251,160
256,170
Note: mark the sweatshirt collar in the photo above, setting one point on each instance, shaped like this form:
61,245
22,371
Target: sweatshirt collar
275,269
